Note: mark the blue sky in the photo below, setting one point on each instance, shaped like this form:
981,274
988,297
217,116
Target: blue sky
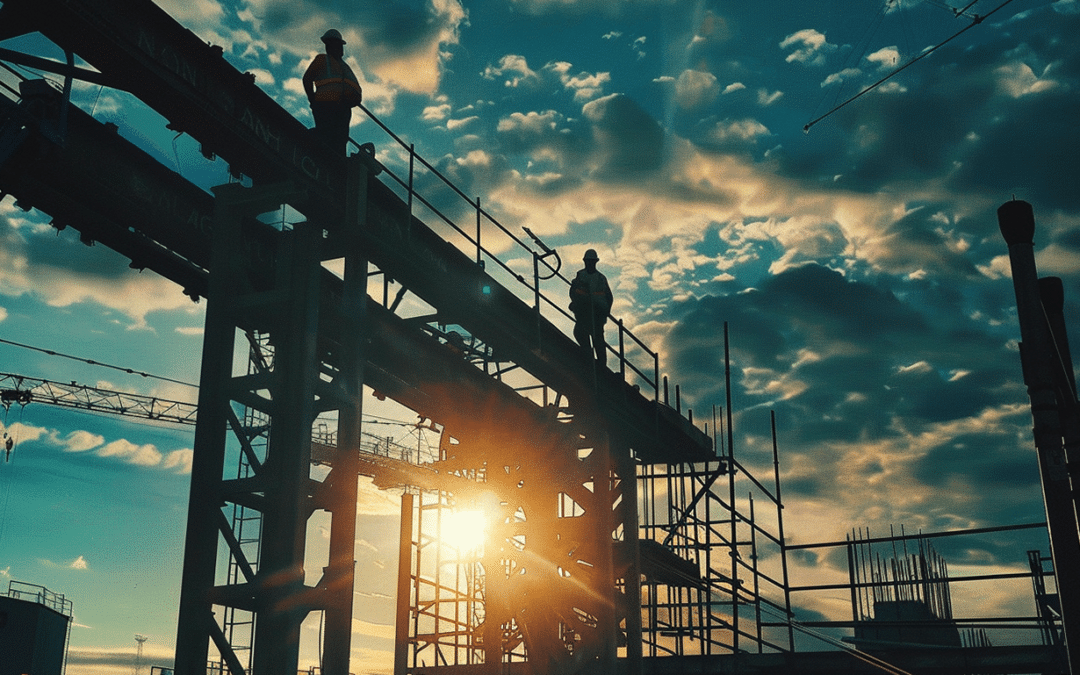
858,265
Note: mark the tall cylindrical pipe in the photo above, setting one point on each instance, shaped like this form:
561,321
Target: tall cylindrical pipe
1048,401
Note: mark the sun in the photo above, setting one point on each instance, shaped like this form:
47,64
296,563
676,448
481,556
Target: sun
465,530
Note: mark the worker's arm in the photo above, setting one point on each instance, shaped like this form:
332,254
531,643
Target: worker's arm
310,75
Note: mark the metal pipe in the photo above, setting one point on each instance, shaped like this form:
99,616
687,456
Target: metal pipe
1016,220
404,585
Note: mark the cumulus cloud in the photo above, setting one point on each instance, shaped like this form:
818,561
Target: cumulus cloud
3,313
807,46
141,455
885,58
61,271
745,130
695,89
402,43
81,441
436,113
513,70
179,461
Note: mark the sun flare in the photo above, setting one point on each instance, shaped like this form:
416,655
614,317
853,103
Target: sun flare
465,530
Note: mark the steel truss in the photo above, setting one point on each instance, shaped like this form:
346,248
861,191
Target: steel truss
264,599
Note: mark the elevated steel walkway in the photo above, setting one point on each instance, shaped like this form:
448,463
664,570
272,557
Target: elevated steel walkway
570,465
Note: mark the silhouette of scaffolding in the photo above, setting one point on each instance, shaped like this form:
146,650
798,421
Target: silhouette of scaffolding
715,575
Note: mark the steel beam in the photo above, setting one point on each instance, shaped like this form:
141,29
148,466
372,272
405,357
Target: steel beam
189,82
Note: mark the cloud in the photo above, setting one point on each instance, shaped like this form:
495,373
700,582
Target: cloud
402,43
372,501
740,131
695,89
808,46
767,98
78,563
61,271
628,140
3,313
23,433
585,85
81,441
140,455
886,58
179,461
436,113
515,69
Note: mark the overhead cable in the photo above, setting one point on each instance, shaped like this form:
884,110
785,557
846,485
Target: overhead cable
974,22
130,371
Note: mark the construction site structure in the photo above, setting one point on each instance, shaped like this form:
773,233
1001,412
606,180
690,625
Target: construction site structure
35,627
617,528
573,454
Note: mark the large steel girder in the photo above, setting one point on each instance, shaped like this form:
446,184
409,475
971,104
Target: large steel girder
143,50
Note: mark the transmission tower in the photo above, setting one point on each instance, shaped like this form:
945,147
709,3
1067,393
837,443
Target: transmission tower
140,639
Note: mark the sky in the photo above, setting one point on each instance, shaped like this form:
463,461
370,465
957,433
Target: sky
857,263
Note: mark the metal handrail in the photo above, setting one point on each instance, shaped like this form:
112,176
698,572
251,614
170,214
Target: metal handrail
652,379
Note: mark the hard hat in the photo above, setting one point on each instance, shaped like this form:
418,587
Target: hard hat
334,35
591,255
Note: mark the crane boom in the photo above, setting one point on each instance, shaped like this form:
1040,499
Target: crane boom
22,389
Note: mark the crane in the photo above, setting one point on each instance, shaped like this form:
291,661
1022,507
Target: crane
389,463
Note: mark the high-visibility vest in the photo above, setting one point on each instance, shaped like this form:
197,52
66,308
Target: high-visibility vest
337,82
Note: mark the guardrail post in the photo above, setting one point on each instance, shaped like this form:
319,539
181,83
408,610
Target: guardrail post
622,351
412,161
656,377
478,248
536,282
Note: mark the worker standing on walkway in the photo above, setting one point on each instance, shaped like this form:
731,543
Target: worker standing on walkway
590,302
332,90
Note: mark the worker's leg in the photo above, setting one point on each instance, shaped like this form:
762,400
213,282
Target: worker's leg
332,124
340,128
582,331
600,344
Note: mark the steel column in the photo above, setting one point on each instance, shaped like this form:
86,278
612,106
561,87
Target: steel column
1049,408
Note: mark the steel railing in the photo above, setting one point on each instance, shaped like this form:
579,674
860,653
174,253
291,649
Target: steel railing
525,289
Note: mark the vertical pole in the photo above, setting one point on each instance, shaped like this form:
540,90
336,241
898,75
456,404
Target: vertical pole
1017,222
479,248
288,461
412,162
731,496
622,351
404,585
632,579
340,573
780,532
195,621
757,579
656,376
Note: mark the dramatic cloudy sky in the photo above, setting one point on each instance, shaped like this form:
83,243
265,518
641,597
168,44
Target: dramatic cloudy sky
858,265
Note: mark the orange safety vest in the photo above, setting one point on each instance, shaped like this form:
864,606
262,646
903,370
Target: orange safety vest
337,82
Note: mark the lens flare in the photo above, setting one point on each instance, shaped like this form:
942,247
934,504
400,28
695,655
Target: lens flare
465,530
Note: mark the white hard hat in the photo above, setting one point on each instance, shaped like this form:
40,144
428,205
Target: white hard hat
334,35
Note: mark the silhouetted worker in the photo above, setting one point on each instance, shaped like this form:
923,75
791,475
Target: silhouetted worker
590,301
333,90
